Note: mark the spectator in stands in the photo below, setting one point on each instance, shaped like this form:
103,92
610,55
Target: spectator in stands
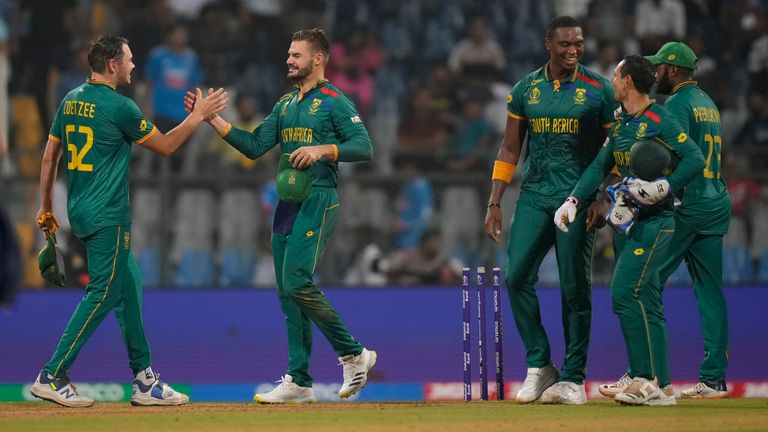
76,73
414,205
607,58
423,131
172,69
470,146
657,21
248,116
477,55
354,61
425,264
369,267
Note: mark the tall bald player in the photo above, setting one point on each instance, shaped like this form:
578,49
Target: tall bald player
565,111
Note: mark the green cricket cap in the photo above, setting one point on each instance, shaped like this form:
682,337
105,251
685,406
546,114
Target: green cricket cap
50,263
675,54
293,185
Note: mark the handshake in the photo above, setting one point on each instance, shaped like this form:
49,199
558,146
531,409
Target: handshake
628,198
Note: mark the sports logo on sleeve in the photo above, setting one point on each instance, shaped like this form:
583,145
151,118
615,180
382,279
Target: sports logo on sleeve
356,119
143,125
682,137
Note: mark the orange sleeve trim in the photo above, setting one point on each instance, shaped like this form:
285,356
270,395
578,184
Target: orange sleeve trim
54,139
335,152
504,171
146,137
607,125
615,171
515,116
226,130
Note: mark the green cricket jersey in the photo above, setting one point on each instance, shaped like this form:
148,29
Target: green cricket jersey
323,115
652,122
706,206
566,123
96,126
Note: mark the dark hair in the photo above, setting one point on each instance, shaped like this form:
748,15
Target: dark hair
315,38
561,22
641,71
104,48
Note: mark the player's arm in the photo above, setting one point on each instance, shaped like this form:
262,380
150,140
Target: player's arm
503,170
354,142
48,171
691,160
166,144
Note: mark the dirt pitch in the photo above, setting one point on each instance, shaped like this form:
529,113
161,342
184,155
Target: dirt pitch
698,416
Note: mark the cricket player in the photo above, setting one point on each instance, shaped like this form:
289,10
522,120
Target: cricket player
95,126
636,285
701,220
565,110
319,126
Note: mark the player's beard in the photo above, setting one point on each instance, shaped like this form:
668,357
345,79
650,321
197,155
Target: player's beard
664,84
302,73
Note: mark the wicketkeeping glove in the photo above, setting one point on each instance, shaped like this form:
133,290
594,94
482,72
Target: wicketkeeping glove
645,193
566,213
47,221
623,213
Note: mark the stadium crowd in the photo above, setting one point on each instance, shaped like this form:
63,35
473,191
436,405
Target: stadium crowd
431,80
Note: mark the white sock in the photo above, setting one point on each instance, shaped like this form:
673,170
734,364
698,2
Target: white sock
147,376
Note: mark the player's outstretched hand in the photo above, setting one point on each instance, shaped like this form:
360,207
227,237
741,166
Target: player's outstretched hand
493,220
566,214
209,106
47,221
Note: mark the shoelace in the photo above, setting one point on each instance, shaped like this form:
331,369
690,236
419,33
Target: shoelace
624,381
700,387
283,382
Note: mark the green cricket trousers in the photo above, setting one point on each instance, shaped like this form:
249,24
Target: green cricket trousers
532,234
299,235
636,293
114,282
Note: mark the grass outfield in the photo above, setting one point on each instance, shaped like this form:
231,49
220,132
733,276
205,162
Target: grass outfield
603,415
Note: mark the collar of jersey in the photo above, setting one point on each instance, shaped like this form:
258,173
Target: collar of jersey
684,84
548,77
644,108
112,86
317,85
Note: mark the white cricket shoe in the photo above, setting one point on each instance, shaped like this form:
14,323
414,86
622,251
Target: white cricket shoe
156,393
639,392
706,390
286,393
564,392
536,381
356,371
665,397
60,391
612,389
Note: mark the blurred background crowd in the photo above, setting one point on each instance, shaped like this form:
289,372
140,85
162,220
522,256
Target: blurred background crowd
431,80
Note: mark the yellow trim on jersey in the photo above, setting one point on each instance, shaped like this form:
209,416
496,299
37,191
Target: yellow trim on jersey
146,137
515,116
549,77
335,152
320,237
643,108
54,139
106,291
683,84
226,130
110,85
615,171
